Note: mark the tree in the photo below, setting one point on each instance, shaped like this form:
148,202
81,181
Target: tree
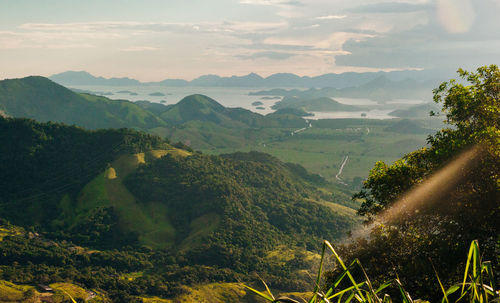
473,115
445,221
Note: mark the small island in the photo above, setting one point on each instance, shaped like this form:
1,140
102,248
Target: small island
257,103
125,92
157,94
260,107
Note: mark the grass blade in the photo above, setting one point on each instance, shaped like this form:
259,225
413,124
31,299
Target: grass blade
467,265
445,295
267,289
260,294
345,268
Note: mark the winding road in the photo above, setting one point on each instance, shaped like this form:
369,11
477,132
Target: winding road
302,129
337,176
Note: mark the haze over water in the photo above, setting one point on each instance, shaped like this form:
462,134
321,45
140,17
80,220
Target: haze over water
238,97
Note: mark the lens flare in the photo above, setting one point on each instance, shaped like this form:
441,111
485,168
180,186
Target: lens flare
436,187
456,16
431,191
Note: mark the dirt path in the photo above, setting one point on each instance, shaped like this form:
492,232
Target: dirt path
337,176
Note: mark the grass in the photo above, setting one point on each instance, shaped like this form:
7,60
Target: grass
339,209
282,254
149,220
10,292
207,293
76,292
132,276
321,150
63,292
155,300
6,231
215,293
133,216
200,227
478,284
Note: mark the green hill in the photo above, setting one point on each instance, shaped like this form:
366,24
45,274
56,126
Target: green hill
206,124
94,187
197,119
415,112
199,108
41,99
205,109
45,166
406,126
129,200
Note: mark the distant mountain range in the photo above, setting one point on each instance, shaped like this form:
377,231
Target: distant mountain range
198,117
197,120
381,89
288,80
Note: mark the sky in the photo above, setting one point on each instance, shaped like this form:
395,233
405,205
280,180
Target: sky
152,40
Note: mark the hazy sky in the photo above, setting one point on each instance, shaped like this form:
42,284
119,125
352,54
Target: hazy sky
157,39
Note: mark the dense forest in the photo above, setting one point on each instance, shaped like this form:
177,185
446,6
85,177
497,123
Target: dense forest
97,205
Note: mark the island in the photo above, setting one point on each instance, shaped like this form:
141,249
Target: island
157,94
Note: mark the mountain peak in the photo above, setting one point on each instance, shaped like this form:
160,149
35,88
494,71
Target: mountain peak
69,78
200,100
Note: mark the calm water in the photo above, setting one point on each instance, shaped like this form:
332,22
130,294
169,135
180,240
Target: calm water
229,97
238,97
370,114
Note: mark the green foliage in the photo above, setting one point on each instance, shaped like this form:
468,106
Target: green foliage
255,195
353,283
224,212
446,219
45,166
474,111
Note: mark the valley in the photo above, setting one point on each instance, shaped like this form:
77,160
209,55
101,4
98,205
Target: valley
155,202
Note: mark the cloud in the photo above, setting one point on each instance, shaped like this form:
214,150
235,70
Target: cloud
330,17
142,27
272,2
423,47
139,49
308,37
285,8
333,41
267,55
390,7
57,40
423,39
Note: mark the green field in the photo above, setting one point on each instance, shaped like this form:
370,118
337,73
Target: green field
321,150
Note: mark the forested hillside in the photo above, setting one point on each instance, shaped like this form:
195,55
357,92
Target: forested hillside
43,100
121,189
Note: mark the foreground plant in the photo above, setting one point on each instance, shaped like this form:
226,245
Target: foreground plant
478,284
